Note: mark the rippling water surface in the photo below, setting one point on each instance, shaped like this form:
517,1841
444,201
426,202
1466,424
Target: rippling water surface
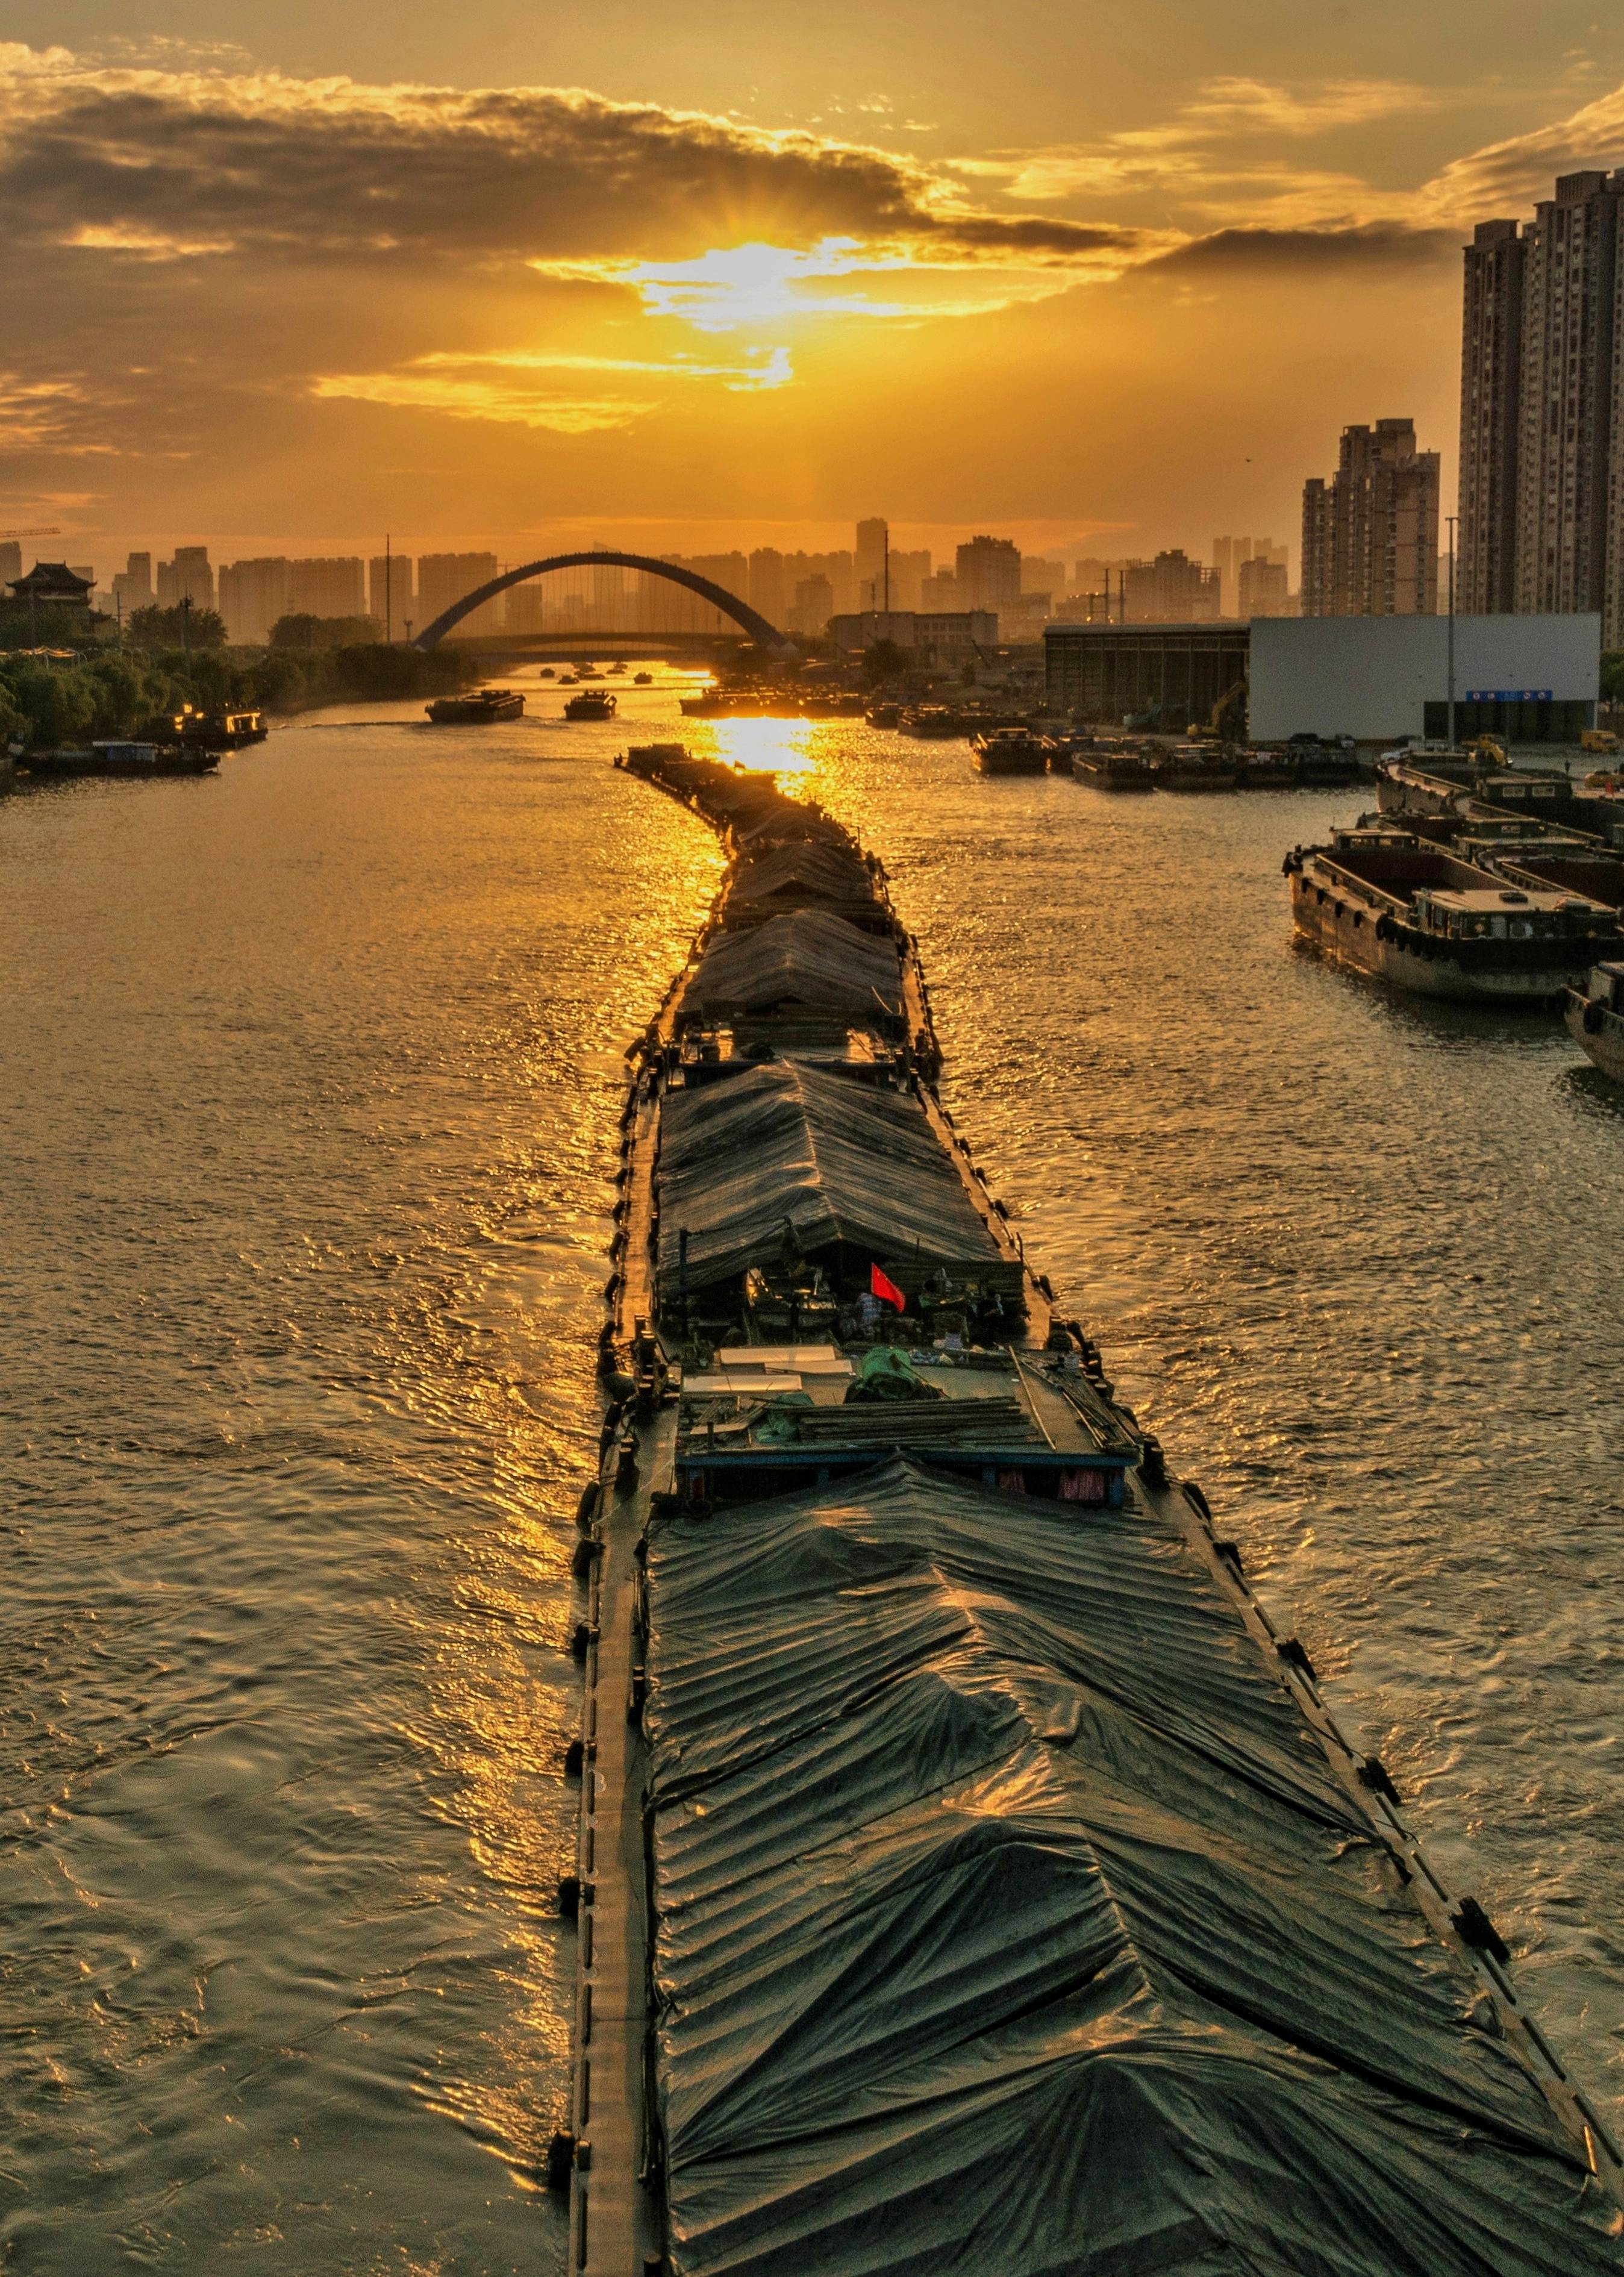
312,1079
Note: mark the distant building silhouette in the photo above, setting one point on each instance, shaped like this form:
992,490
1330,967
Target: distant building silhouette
1370,534
188,577
132,587
989,572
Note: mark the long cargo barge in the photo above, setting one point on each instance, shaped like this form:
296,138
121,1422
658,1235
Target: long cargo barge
970,1875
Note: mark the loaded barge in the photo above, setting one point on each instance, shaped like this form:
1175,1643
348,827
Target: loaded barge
970,1876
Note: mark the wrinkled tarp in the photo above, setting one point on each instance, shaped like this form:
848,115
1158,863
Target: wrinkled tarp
808,959
804,875
843,1161
1010,1923
791,819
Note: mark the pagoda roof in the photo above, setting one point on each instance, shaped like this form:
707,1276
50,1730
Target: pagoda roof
52,581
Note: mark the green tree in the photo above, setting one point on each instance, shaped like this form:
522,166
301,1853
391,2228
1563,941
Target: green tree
162,628
57,704
308,632
1613,675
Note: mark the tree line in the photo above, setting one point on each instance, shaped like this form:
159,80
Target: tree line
79,692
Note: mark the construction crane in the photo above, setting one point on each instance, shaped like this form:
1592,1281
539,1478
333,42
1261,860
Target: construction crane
30,533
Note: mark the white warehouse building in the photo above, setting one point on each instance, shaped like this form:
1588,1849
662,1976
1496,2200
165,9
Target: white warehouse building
1531,680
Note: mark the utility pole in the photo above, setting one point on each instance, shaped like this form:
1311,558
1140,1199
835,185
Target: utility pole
1451,520
185,634
388,595
887,576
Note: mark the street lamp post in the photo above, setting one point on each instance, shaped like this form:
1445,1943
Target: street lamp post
1451,520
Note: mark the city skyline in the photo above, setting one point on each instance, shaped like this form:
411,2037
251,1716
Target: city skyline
643,309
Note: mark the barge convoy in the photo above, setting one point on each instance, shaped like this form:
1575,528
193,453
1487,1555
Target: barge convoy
970,1876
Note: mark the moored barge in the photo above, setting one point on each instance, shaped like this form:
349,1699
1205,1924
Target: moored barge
970,1875
1411,913
121,758
1010,751
1594,1015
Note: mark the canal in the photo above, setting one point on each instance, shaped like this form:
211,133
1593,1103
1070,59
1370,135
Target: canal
313,1071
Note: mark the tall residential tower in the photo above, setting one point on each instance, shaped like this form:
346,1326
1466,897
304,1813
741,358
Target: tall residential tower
1542,409
1370,534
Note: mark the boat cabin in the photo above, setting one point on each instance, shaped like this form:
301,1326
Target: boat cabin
766,1419
1494,912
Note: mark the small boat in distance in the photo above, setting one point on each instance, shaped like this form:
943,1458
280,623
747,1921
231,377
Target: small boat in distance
1114,770
1010,751
643,679
591,704
205,731
143,761
478,710
1193,766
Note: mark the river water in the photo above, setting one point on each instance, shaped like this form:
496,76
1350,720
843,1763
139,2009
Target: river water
313,1072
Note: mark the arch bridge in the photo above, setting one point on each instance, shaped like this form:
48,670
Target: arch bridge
752,621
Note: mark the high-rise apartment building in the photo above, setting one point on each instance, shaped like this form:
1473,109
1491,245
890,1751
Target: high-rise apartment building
909,572
132,585
1230,556
1370,534
444,578
1490,412
870,563
253,595
527,609
769,590
1542,409
188,577
1173,590
328,586
1261,588
939,593
389,592
1228,553
11,560
1570,366
814,605
989,572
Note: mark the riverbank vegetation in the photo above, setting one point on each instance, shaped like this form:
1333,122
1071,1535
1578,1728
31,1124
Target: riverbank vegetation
71,696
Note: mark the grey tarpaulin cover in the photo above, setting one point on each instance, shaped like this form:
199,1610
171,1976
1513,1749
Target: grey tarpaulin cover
806,958
1010,1923
800,876
843,1161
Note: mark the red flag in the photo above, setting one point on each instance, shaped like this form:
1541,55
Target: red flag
886,1290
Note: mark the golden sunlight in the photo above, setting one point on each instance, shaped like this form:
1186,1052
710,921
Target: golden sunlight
767,747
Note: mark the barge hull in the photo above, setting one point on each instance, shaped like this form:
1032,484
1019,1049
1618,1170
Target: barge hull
1603,1045
1347,935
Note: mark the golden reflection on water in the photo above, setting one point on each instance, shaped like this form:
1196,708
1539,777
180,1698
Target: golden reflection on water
777,747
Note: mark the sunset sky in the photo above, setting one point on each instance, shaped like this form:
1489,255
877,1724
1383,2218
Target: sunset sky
277,278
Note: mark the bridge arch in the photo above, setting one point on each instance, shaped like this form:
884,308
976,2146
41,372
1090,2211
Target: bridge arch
750,619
